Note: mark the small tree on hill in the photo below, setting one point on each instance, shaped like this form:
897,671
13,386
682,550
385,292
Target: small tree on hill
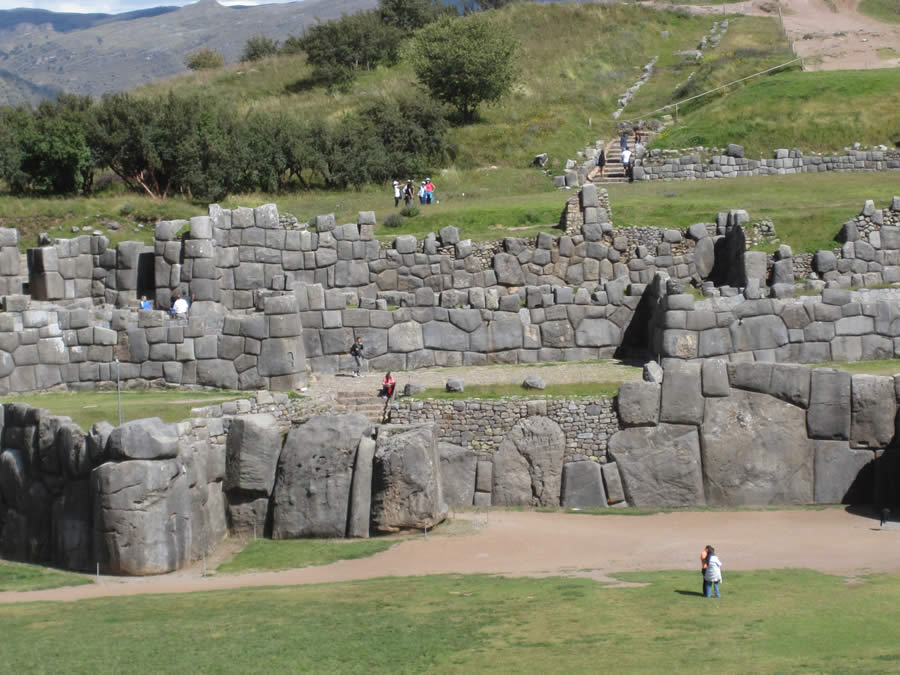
465,62
259,47
204,59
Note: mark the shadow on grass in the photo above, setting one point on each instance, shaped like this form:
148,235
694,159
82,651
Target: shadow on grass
694,593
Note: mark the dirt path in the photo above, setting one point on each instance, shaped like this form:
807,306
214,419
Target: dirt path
541,544
828,34
325,385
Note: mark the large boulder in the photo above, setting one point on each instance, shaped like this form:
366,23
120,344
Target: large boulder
457,474
582,485
705,256
659,466
638,403
828,417
508,270
528,464
406,481
143,439
361,490
312,485
755,451
252,450
843,475
872,409
682,395
142,516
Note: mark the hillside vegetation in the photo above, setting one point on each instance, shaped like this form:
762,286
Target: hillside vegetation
823,111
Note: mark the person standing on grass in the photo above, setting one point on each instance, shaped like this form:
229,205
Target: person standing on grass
713,575
704,554
397,195
422,193
409,191
356,351
429,191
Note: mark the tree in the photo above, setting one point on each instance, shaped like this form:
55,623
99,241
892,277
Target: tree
411,15
259,47
469,6
204,59
465,62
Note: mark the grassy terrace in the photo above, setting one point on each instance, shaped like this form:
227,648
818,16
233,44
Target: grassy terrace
271,554
766,622
86,408
23,577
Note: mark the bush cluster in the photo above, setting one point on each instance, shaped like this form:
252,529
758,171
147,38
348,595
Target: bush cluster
190,146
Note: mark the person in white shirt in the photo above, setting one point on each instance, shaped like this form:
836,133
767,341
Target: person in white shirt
713,575
180,308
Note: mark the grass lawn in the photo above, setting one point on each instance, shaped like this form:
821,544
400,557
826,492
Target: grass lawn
882,367
813,111
271,554
23,577
492,391
85,408
766,622
883,10
807,209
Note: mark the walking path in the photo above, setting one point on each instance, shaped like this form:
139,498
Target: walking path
528,544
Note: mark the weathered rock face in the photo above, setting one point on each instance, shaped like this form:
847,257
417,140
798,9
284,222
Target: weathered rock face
406,481
528,464
873,409
312,485
254,444
755,451
361,490
659,466
72,527
457,474
142,516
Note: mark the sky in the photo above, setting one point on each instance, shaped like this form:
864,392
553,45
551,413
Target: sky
111,6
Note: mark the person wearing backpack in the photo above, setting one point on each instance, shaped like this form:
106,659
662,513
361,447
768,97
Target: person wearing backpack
396,194
408,191
713,575
601,161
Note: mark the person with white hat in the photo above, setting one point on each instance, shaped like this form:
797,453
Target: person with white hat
396,194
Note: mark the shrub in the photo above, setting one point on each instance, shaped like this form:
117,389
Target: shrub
393,220
409,211
204,59
258,47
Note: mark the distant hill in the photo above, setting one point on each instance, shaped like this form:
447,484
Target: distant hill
43,52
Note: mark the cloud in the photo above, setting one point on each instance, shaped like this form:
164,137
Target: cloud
110,6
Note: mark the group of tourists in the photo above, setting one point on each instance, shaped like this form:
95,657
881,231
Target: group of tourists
408,192
628,156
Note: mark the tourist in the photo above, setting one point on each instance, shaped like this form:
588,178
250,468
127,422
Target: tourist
422,193
713,575
356,351
387,387
626,164
145,303
429,191
704,554
180,308
408,191
397,195
623,141
601,161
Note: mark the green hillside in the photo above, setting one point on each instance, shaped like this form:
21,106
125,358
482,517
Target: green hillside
823,111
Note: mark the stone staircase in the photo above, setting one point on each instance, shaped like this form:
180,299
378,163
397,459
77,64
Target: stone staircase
615,172
364,404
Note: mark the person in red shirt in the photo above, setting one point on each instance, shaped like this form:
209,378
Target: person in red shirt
387,387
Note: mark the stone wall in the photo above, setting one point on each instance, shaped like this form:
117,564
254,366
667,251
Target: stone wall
43,346
694,166
481,425
728,434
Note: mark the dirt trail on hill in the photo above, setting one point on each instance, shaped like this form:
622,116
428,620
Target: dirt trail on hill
531,544
828,34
